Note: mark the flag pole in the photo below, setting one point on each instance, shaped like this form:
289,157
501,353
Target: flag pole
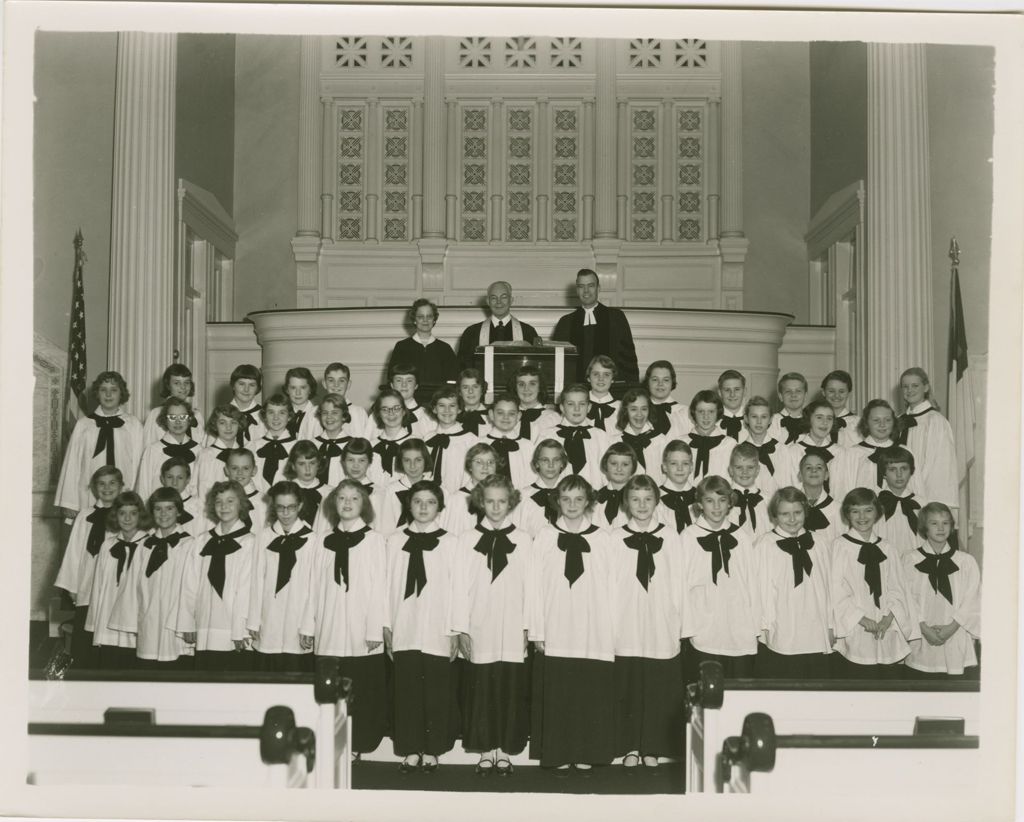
74,395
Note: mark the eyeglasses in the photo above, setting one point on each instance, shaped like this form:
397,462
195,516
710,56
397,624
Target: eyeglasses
390,409
483,463
178,417
286,509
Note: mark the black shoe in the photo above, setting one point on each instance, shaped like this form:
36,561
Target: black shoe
409,765
428,767
484,766
504,767
563,772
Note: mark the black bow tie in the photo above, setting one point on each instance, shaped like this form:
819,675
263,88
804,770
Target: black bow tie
124,552
731,425
816,519
817,451
611,499
574,546
503,446
97,520
646,544
702,445
764,454
160,546
472,420
599,412
906,422
838,424
218,547
907,504
574,448
542,497
249,419
341,542
638,442
184,451
272,453
437,445
939,567
415,545
795,426
798,548
403,506
223,452
871,557
105,441
286,546
527,417
747,503
681,503
496,546
719,544
661,416
311,499
296,422
388,451
876,456
328,450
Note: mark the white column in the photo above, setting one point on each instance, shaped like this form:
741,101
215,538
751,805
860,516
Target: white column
141,319
452,191
606,150
495,178
732,243
898,301
309,137
623,164
434,139
329,168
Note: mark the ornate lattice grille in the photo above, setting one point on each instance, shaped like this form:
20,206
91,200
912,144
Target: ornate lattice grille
566,129
474,173
351,171
519,158
395,155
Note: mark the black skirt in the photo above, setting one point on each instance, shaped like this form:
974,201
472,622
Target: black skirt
648,706
496,707
426,709
368,705
83,652
238,661
571,721
284,663
773,665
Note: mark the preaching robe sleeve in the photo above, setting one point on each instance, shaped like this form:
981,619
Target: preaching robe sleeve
623,350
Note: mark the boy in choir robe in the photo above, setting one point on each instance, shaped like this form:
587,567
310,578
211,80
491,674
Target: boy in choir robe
634,428
677,493
823,517
535,418
176,383
472,389
216,584
460,513
794,574
246,384
790,423
819,417
393,422
899,523
537,508
78,566
618,466
222,429
721,616
874,616
584,445
333,420
337,379
356,462
491,582
405,381
147,605
711,451
300,387
514,450
127,525
572,630
647,590
107,436
928,434
862,466
177,474
777,466
749,502
421,559
303,468
281,569
173,419
345,611
603,406
732,388
272,449
835,390
448,441
241,468
945,585
667,416
414,458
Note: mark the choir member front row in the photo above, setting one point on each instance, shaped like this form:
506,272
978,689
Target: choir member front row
574,634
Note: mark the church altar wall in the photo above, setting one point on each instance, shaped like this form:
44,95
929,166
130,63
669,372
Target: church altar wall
808,350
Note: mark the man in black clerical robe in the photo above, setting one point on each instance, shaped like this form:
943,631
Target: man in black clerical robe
501,327
594,329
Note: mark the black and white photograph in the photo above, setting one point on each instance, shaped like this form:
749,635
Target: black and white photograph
557,411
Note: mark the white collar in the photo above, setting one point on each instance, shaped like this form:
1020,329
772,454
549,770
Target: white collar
424,343
878,444
420,528
354,525
232,526
99,412
299,524
652,525
906,491
583,525
486,524
924,405
608,399
506,320
671,486
707,526
629,428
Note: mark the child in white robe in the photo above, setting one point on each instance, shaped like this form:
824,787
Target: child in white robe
928,434
337,380
448,441
222,429
817,439
472,389
356,462
899,523
393,424
272,449
777,466
176,383
537,508
634,428
176,441
601,372
862,465
460,514
303,468
413,458
300,386
583,443
711,451
334,431
668,416
835,390
535,418
749,501
677,494
790,422
514,451
732,387
823,516
246,384
618,465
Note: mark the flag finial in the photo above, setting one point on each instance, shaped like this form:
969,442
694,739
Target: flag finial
79,248
954,251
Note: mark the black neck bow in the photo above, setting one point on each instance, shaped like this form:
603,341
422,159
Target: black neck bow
340,542
938,567
286,547
719,544
798,549
105,441
646,544
160,547
871,557
218,547
415,545
496,546
574,546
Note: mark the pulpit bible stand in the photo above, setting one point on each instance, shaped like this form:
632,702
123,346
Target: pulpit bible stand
499,361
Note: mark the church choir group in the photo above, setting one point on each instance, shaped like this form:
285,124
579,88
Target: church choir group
519,574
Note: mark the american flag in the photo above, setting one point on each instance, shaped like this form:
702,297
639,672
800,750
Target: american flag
960,391
75,394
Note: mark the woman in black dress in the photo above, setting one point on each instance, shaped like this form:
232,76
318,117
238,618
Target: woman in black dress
434,359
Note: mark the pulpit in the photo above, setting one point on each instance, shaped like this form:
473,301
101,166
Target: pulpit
499,361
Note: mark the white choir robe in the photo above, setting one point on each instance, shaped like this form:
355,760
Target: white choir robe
666,514
593,450
153,457
680,424
764,523
257,429
309,425
720,617
287,441
335,469
518,461
607,402
217,621
529,515
208,467
79,464
421,427
848,435
651,456
896,530
78,566
389,518
492,611
343,619
148,605
105,590
452,475
319,523
932,608
194,521
152,430
783,471
856,470
718,459
795,452
573,621
376,472
599,514
647,621
376,492
456,516
829,508
420,622
278,614
547,420
358,426
852,600
795,618
932,443
777,430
